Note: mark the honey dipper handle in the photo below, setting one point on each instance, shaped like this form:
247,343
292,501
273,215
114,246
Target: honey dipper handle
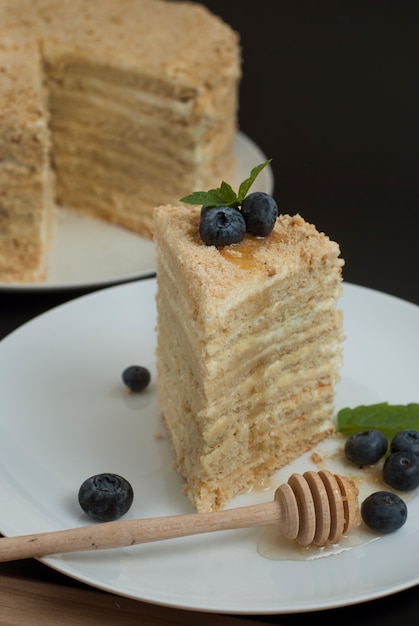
131,532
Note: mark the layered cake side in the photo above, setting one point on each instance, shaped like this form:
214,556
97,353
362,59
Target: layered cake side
26,204
142,105
249,350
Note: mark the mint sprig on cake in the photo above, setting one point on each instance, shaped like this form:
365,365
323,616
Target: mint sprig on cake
226,216
225,195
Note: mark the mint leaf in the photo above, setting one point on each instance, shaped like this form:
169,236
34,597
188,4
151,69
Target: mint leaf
213,197
225,195
246,184
229,195
389,418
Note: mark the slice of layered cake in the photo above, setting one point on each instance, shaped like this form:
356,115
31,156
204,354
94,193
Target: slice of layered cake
249,350
141,99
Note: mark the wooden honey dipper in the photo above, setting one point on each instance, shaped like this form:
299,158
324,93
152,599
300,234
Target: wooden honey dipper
313,508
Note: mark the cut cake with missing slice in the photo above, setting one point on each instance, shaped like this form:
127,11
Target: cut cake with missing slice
249,347
139,105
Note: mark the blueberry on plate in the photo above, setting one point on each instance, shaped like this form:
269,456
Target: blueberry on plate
401,471
384,512
366,447
136,377
405,441
260,211
221,226
105,497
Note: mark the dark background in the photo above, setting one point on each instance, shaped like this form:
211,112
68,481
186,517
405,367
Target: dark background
330,92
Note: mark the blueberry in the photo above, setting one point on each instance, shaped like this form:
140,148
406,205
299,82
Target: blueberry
106,497
384,512
401,470
366,447
404,441
260,211
204,209
222,226
136,377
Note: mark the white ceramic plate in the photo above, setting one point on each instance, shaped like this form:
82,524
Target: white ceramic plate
64,415
87,252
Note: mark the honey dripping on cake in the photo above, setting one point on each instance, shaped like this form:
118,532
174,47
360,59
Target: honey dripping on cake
244,255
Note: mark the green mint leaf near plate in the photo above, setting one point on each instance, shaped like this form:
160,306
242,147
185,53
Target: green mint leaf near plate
389,418
225,195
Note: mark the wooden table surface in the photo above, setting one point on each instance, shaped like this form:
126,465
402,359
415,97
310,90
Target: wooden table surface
329,91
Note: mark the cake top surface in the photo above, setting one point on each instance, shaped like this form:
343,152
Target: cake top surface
219,272
181,41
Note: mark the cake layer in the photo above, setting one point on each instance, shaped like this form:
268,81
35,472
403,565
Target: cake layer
249,350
